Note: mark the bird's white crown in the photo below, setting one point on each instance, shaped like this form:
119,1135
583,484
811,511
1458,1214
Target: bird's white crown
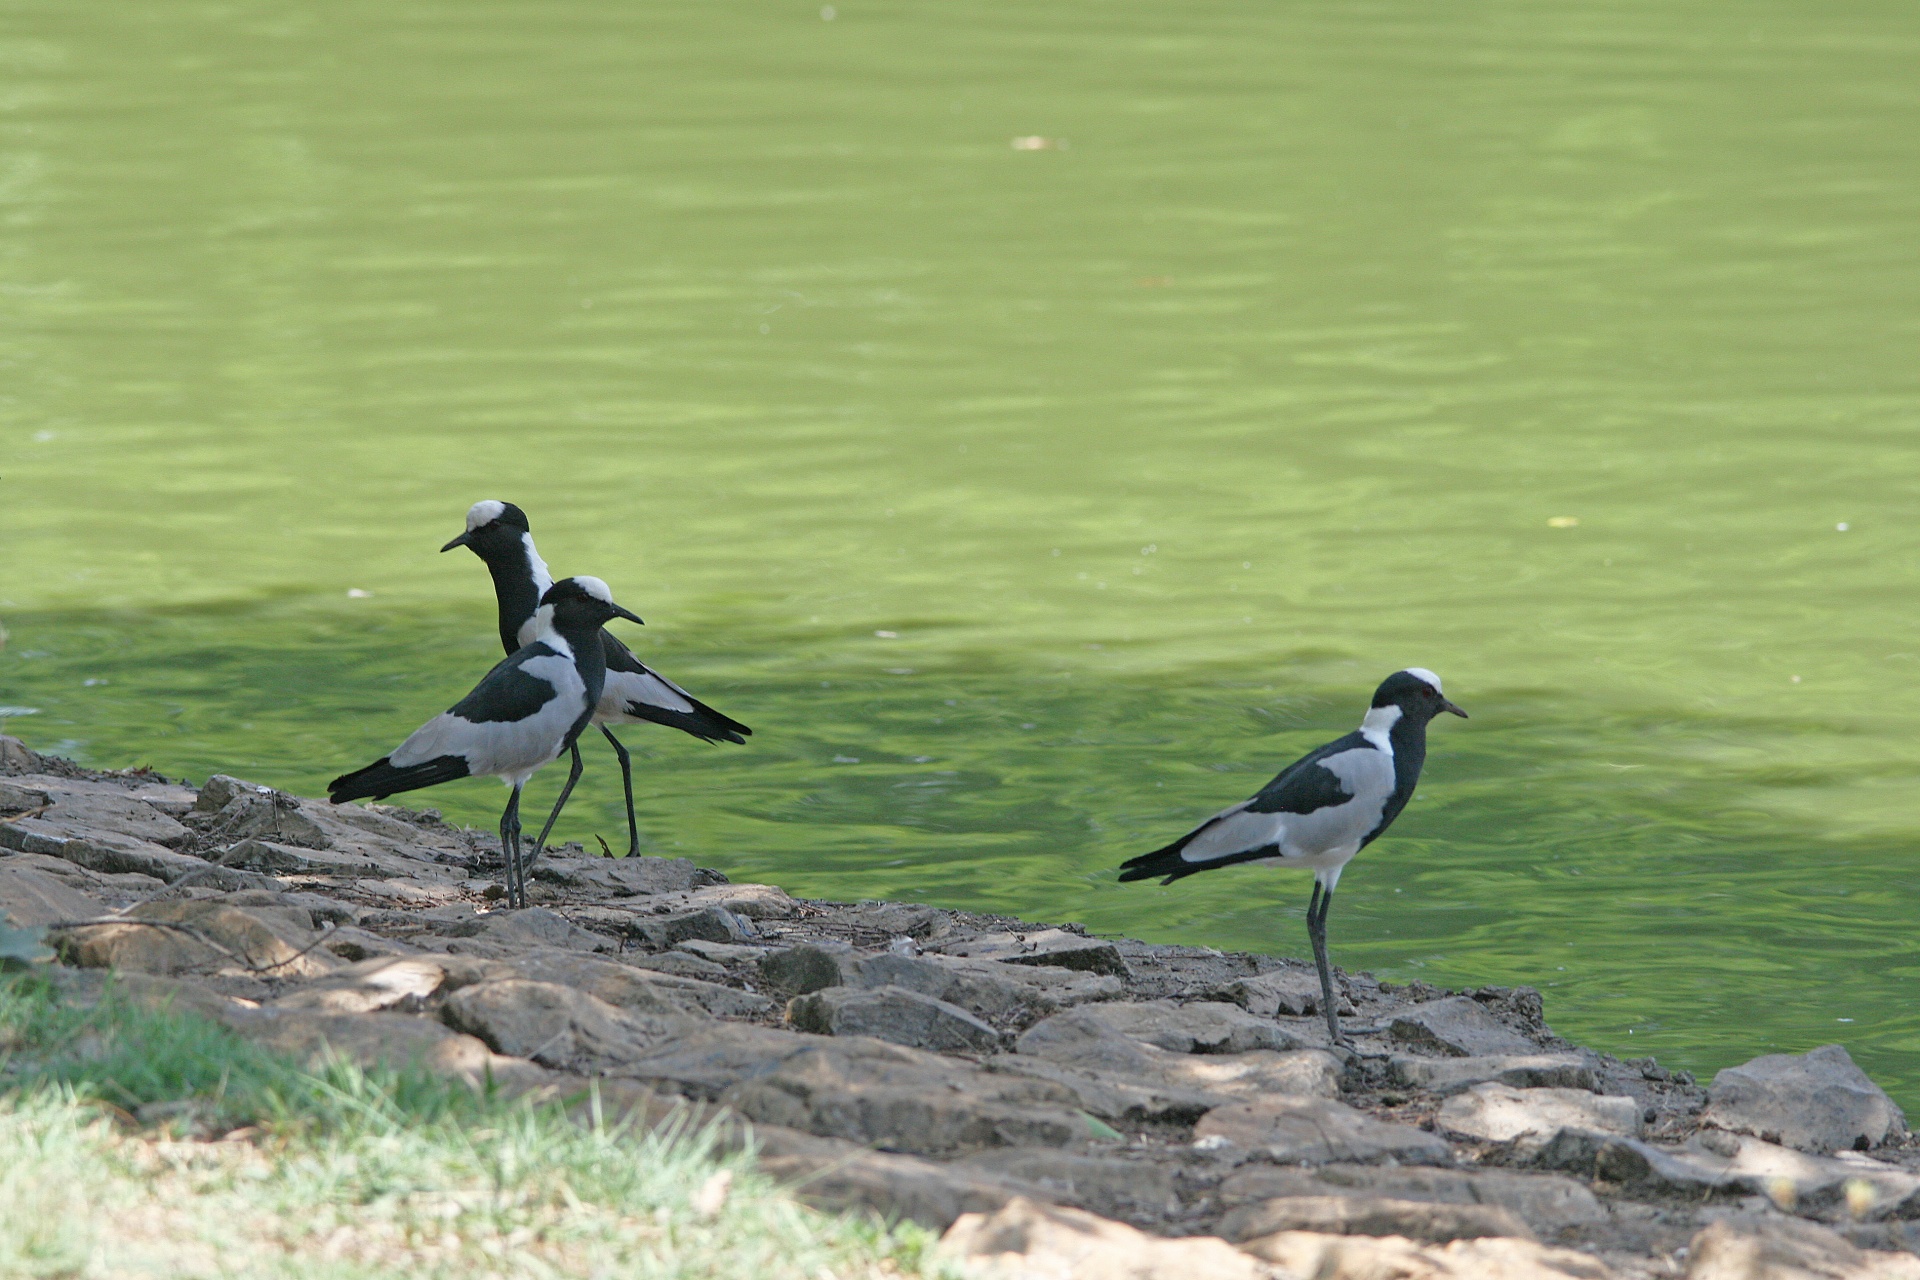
481,513
1424,674
597,589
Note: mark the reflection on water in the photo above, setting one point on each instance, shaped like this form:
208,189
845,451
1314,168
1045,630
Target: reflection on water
1568,354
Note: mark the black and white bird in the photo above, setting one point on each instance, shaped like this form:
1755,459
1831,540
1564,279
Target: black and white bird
1321,810
527,710
498,533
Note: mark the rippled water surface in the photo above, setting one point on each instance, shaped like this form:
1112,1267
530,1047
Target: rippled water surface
1566,350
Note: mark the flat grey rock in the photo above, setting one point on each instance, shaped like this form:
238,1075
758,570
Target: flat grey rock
1352,1214
556,1026
1292,992
987,989
1201,1027
1817,1101
257,854
1117,1098
1297,1130
111,853
631,987
1547,1202
1459,1027
900,1099
1043,946
683,964
527,927
1496,1112
894,1014
723,953
30,896
1742,1166
369,987
1113,1186
619,877
1521,1070
1080,1038
1752,1247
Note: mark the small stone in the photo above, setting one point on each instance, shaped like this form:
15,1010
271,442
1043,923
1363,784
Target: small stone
810,966
714,924
1458,1026
894,1014
1818,1101
273,817
222,788
1295,1130
17,757
1498,1113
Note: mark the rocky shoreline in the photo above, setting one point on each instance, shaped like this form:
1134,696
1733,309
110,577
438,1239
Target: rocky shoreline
1059,1104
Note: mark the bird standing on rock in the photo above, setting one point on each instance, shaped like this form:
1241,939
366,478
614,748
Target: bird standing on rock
499,534
1321,810
520,717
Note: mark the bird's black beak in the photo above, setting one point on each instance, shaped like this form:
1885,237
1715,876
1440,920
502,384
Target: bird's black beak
1448,706
618,612
460,541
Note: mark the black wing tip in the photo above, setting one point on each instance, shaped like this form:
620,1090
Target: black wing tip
383,778
1161,862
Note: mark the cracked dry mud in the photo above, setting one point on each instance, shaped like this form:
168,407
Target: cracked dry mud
1062,1105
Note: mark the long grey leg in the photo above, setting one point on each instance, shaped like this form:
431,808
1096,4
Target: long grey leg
1317,908
573,776
626,778
510,848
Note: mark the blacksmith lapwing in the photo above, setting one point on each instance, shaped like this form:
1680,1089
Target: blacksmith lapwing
1321,810
498,533
521,716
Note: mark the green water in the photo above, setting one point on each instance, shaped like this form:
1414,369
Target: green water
1157,446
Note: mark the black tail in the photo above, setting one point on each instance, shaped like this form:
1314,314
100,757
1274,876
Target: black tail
383,778
703,722
1162,862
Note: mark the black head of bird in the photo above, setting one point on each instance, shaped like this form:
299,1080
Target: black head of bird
1416,691
583,603
493,527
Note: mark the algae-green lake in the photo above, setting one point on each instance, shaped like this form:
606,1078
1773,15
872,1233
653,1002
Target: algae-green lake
1158,376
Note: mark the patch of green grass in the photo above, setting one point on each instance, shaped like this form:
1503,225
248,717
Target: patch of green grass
345,1173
